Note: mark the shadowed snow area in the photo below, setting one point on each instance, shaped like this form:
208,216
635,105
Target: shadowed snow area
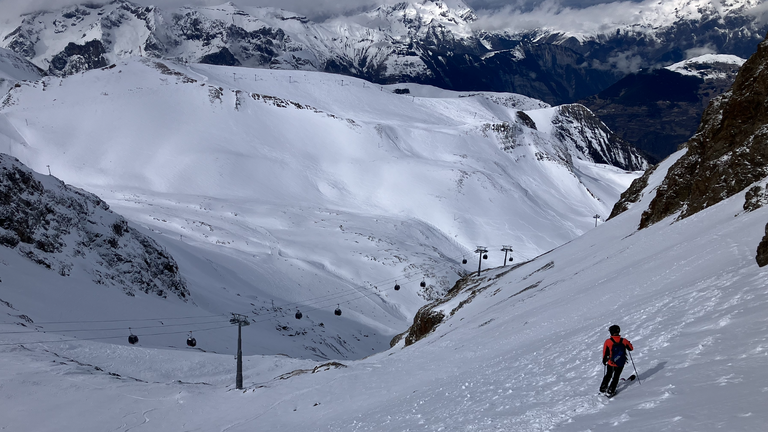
522,355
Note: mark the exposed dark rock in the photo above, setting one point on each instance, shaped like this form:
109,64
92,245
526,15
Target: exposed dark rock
79,58
762,250
424,323
728,153
222,58
54,225
526,120
579,127
549,66
755,198
632,194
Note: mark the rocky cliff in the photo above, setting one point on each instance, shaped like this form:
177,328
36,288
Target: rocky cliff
728,154
66,230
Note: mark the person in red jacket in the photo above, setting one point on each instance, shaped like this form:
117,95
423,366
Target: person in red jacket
614,357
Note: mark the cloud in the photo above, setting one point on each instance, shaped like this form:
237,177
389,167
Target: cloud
699,51
315,9
576,16
579,17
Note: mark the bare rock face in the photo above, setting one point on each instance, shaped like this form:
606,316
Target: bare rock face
762,250
68,230
632,194
728,153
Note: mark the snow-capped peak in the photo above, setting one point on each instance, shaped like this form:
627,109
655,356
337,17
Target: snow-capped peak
703,66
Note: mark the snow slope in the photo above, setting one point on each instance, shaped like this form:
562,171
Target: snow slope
276,191
522,355
14,68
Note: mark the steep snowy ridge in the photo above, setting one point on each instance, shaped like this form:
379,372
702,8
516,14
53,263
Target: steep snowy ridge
704,66
14,68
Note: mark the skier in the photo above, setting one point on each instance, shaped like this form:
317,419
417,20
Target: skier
614,357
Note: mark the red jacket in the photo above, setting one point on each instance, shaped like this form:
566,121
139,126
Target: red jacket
609,343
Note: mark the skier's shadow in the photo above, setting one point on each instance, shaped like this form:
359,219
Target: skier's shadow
653,371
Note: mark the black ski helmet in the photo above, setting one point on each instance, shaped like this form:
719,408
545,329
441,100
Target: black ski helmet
615,330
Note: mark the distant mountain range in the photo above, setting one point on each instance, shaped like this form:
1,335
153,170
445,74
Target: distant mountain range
428,42
659,109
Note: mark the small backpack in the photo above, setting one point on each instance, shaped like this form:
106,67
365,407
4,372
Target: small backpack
619,353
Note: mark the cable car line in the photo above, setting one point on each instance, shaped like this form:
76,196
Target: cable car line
126,320
109,337
108,329
316,303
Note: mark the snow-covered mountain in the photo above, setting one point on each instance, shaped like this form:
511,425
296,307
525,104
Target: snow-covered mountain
706,67
278,190
687,292
429,42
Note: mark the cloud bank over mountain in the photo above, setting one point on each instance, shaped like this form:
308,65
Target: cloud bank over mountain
517,14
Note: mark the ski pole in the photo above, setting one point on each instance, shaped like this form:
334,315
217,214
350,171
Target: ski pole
633,366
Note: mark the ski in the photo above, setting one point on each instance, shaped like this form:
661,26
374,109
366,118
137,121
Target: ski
623,380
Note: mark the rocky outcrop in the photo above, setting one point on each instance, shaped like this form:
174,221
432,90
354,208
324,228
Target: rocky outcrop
78,58
632,194
577,127
729,152
65,229
762,250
